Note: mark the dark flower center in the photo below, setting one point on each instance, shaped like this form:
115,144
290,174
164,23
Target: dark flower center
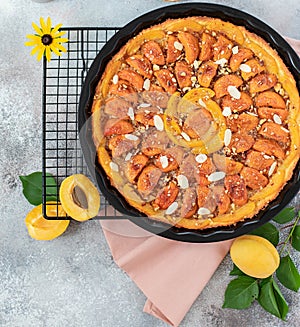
47,39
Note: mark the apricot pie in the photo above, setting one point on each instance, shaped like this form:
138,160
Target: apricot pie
196,122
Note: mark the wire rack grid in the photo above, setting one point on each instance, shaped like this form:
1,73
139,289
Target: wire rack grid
63,78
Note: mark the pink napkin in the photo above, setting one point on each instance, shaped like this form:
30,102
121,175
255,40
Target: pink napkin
171,274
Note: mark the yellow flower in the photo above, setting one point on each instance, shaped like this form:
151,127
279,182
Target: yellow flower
47,40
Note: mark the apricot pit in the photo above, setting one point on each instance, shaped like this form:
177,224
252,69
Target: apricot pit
79,197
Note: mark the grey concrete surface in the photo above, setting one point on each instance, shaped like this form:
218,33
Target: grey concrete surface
73,281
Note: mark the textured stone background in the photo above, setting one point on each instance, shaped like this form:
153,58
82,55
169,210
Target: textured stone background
73,281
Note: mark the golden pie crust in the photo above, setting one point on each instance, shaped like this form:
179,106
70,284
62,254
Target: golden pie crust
196,122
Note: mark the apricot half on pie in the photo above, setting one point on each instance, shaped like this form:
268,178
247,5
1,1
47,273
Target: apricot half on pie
196,122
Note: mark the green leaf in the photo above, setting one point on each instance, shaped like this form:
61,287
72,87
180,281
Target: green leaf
236,271
286,215
271,299
268,231
296,238
288,274
32,188
241,292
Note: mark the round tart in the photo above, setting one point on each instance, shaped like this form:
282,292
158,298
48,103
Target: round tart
196,122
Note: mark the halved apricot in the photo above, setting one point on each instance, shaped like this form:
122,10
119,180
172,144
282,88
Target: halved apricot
206,72
255,256
135,166
205,198
183,74
241,142
124,89
167,80
258,161
268,113
197,123
237,58
275,132
43,229
133,78
270,99
117,107
253,178
153,52
207,42
141,65
255,67
79,197
148,179
207,167
189,203
236,188
167,196
172,52
262,82
228,165
222,83
154,143
117,126
222,48
269,147
244,122
222,199
237,105
119,145
191,46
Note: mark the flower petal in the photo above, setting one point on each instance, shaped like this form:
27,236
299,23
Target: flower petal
41,53
62,40
37,29
30,43
48,53
56,28
34,37
43,25
35,49
54,49
59,46
48,25
56,35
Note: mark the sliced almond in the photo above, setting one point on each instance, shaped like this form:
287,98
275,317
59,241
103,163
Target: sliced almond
131,137
234,92
272,168
203,211
227,137
128,156
245,68
216,176
226,111
183,182
235,50
130,113
146,85
114,166
172,208
178,45
115,79
221,61
158,123
202,103
277,119
201,158
164,161
185,136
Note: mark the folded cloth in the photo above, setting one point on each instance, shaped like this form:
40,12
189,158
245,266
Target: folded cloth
171,274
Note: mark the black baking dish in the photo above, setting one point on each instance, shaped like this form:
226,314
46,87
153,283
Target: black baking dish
111,48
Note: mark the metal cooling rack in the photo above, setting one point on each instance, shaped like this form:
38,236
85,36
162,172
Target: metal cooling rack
63,78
